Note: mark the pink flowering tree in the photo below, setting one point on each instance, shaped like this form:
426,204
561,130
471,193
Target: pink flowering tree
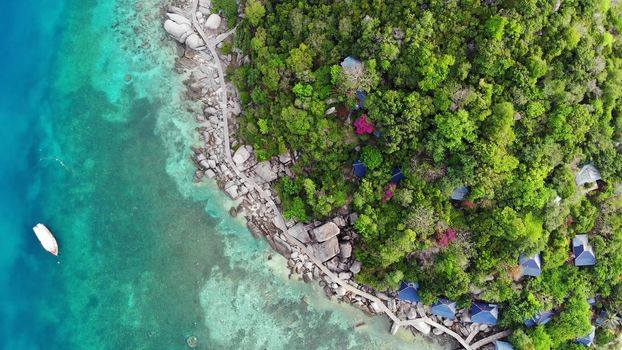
363,125
448,237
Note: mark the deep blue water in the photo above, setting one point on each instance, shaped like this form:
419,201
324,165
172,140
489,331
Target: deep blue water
147,257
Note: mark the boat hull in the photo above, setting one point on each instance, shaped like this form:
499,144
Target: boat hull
46,239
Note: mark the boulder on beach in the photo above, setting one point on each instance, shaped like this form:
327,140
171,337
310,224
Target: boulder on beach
325,232
241,155
326,250
194,41
422,327
178,31
264,172
179,19
299,232
212,22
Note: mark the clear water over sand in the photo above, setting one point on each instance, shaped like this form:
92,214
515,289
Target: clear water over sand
147,257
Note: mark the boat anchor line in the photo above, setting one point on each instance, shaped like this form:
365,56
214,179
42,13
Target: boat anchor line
57,160
280,221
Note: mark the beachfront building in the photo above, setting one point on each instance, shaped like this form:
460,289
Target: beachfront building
502,345
409,291
583,252
444,308
587,340
360,170
542,317
484,313
531,265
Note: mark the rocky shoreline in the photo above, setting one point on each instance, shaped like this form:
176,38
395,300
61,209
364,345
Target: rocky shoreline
316,252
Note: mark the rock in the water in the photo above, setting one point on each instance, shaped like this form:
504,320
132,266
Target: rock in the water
356,267
282,247
192,341
264,172
375,307
194,41
340,291
325,232
299,232
346,250
213,21
178,31
422,327
326,250
179,19
394,328
241,155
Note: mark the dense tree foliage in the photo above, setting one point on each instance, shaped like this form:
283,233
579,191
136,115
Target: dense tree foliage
506,98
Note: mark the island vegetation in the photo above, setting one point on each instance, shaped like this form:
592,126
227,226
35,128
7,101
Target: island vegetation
504,101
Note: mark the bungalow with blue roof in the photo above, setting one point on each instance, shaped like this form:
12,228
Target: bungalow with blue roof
484,313
360,169
542,317
502,345
459,193
532,265
397,176
583,252
444,308
409,291
360,98
587,340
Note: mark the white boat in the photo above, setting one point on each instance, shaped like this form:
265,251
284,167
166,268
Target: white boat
46,238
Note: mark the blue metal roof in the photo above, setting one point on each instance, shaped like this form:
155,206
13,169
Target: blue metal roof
484,313
360,169
444,308
541,317
587,340
360,96
583,252
502,345
532,265
409,291
459,193
397,176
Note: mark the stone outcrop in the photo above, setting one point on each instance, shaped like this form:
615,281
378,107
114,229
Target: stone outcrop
299,231
212,22
264,172
180,28
326,250
325,232
241,155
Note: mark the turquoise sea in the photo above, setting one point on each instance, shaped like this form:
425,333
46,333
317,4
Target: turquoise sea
94,143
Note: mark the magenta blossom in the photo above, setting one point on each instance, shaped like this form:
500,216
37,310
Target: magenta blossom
363,126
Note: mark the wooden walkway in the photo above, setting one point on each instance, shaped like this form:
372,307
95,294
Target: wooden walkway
280,221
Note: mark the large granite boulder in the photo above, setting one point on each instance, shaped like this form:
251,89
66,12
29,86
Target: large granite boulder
422,327
264,172
346,250
299,232
194,41
241,155
213,21
326,250
325,232
179,31
179,19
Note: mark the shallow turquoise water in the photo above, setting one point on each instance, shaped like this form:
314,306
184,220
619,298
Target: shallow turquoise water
147,257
